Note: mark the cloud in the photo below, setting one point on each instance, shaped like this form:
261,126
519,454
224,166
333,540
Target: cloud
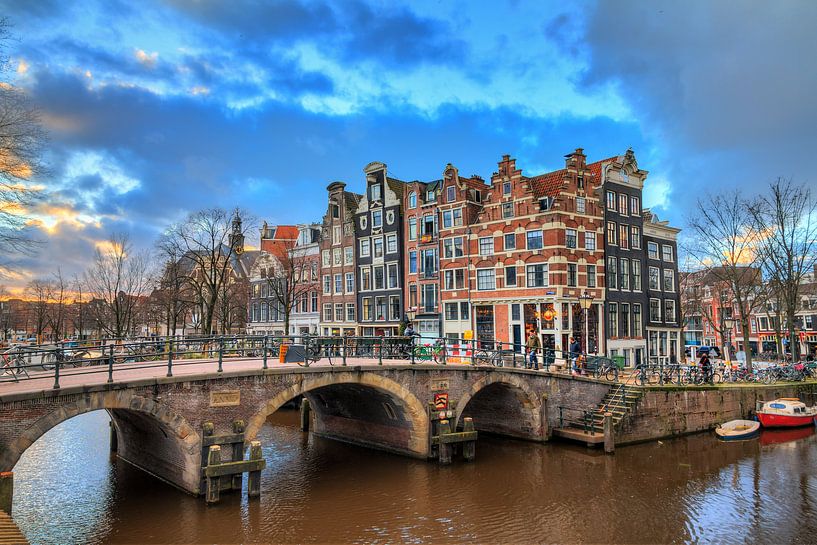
147,60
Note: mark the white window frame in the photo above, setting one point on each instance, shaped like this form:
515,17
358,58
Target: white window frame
493,278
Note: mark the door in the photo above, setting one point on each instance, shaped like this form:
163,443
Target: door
517,338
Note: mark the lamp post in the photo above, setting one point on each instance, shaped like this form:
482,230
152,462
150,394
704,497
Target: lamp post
728,324
586,301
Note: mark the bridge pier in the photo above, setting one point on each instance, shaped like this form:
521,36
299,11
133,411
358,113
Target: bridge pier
305,415
6,491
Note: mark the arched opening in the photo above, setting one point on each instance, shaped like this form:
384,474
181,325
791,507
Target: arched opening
502,408
362,409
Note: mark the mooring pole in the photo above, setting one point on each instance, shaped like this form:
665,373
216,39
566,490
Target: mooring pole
305,409
213,483
238,452
609,441
446,449
114,438
469,448
254,480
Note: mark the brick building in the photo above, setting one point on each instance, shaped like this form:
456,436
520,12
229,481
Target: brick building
662,325
338,301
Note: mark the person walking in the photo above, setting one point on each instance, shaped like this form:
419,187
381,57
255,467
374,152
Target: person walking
575,353
532,345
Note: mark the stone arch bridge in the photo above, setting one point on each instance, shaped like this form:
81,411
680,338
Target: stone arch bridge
158,421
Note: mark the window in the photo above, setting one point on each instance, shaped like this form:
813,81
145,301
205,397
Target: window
652,250
335,210
378,247
365,278
429,297
364,247
612,319
350,283
507,210
430,196
581,205
625,320
545,203
654,279
377,219
314,296
591,276
452,247
667,253
570,238
486,246
624,236
375,192
452,217
338,312
636,268
327,284
580,181
534,240
451,194
669,280
537,275
611,200
464,314
336,237
451,311
506,188
413,261
624,274
412,295
611,232
589,240
378,278
486,279
412,234
635,238
622,204
635,209
338,283
510,276
391,244
380,308
454,279
611,273
636,319
510,241
325,257
368,308
412,203
669,310
392,273
428,262
350,312
337,257
327,312
655,310
429,226
572,275
348,255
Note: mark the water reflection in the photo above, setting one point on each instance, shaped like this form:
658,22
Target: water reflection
693,489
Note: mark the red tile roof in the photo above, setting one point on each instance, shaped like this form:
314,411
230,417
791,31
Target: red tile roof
595,168
547,185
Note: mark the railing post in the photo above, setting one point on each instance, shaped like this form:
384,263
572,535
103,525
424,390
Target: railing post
170,358
110,366
56,375
344,346
306,351
444,346
265,353
473,351
380,352
411,350
220,355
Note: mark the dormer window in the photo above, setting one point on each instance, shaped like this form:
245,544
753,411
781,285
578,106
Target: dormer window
545,203
335,211
506,188
412,200
430,196
477,195
580,182
451,195
375,192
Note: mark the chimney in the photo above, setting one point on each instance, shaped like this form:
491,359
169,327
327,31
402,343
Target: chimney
507,166
577,159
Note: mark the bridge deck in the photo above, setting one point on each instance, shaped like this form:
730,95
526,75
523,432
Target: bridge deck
10,534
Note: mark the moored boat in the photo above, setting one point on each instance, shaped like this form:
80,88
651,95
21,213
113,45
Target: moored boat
786,412
736,430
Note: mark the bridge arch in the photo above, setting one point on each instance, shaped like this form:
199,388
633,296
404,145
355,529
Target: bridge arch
150,436
504,404
364,408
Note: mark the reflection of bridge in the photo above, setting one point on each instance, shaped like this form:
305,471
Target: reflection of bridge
158,420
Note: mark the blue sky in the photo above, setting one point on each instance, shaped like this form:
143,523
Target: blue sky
157,108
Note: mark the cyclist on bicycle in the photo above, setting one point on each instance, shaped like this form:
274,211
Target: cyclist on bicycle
706,368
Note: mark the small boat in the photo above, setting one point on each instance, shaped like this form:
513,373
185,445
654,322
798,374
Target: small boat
736,430
786,412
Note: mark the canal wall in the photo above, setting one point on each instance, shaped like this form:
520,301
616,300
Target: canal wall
672,411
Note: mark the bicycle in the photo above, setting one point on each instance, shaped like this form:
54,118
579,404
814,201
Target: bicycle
78,357
483,356
14,364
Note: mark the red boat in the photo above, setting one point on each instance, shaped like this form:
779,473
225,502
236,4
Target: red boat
786,412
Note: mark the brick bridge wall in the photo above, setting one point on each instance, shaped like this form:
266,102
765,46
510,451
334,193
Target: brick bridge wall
159,421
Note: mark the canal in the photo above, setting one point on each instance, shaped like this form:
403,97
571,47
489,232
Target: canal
691,489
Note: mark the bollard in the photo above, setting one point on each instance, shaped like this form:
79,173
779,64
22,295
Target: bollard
469,448
446,449
56,375
305,415
170,358
213,483
254,480
6,491
265,352
238,453
609,441
114,439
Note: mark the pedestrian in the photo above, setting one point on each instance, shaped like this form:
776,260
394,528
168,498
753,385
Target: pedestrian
409,331
706,367
532,345
575,353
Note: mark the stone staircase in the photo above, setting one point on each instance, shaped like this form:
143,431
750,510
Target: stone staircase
620,402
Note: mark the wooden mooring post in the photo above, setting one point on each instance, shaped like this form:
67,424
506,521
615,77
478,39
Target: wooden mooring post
609,439
305,416
221,475
445,439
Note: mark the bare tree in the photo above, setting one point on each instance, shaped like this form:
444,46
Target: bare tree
39,293
78,310
725,242
173,293
291,278
57,307
117,280
209,242
21,143
787,217
231,309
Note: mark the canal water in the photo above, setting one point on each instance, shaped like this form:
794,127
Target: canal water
687,490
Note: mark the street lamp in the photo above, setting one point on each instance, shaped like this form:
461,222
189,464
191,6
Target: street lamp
586,301
728,324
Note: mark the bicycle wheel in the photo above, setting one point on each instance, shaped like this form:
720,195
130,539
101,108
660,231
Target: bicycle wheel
49,361
717,378
481,357
421,354
611,375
